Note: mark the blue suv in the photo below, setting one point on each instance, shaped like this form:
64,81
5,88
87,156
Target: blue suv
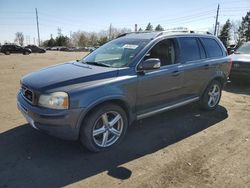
132,77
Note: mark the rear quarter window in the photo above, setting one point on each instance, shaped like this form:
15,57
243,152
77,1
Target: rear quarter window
212,48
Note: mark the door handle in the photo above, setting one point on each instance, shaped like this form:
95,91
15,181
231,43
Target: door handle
175,73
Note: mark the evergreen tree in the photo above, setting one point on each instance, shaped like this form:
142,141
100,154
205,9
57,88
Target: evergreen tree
159,28
62,41
149,27
140,29
244,29
225,33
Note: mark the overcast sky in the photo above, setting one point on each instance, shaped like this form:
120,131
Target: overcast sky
95,15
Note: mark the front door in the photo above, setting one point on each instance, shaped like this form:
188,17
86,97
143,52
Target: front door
158,88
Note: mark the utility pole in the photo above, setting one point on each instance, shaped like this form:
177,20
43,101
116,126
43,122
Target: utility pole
37,25
216,21
135,27
110,29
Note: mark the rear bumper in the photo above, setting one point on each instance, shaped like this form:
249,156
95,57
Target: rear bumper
59,123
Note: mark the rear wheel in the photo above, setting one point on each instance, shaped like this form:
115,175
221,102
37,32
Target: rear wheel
26,53
7,53
211,96
104,128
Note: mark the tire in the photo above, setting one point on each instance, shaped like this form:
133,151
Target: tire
26,53
212,95
7,53
99,133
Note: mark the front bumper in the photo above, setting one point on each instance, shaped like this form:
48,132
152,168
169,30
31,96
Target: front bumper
60,123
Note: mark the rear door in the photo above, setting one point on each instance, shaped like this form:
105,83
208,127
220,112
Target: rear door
194,65
161,87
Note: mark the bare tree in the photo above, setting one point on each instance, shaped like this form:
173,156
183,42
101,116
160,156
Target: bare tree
19,38
234,30
79,38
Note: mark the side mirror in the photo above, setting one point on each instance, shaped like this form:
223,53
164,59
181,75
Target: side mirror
150,64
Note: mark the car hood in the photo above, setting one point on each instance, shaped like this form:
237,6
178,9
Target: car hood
62,75
240,57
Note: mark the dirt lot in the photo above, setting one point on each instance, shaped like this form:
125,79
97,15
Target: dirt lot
185,147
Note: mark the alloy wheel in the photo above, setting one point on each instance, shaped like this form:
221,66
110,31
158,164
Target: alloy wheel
214,95
107,129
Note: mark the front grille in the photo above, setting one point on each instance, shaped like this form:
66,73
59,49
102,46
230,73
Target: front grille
27,93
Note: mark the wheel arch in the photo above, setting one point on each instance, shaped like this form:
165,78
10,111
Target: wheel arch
118,100
221,77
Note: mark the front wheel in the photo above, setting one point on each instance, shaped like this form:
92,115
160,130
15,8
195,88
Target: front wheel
104,127
211,96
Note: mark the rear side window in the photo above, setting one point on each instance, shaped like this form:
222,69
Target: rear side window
189,49
212,47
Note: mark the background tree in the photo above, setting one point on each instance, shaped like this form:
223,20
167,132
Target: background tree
102,40
225,33
62,41
140,29
93,40
149,27
19,38
83,40
244,29
159,28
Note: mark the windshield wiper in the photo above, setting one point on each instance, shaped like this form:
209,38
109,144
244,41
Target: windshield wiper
97,63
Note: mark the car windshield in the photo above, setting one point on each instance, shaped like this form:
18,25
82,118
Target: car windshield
116,53
244,49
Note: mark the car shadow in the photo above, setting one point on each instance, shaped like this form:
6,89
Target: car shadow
29,158
238,87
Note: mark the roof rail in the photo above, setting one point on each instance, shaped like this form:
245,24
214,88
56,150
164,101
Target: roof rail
183,31
166,32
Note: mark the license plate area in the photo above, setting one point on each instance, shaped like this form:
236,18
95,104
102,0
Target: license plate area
24,111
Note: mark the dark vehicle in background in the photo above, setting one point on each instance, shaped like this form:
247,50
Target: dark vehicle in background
231,49
241,63
12,48
65,49
130,78
35,49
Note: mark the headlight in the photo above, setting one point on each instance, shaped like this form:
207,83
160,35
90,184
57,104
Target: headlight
57,100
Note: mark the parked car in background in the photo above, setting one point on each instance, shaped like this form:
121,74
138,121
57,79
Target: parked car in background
231,48
35,49
130,78
241,63
12,48
65,49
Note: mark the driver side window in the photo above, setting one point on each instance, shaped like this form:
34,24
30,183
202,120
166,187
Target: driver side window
165,51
